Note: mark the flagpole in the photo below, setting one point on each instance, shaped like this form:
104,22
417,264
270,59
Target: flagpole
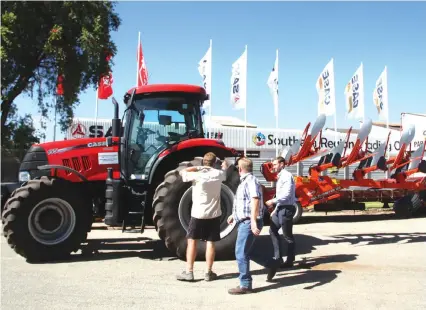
363,94
276,116
387,114
245,108
387,99
54,126
137,64
335,104
96,111
210,87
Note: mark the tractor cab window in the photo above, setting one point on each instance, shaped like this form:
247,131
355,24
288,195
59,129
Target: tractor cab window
157,122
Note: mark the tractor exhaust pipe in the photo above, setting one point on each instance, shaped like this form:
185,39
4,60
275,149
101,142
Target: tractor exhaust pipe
116,122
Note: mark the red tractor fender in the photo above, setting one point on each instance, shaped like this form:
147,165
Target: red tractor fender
187,150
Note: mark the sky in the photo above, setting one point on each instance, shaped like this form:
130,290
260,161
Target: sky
176,35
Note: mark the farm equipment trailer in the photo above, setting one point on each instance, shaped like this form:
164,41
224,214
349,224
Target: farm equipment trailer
331,194
124,178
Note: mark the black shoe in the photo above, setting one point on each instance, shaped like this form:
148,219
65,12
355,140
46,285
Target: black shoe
287,264
273,266
271,273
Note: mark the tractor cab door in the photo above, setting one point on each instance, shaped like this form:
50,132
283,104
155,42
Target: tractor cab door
155,124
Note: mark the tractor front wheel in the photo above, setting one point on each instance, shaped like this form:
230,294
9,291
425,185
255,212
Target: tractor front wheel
46,220
172,211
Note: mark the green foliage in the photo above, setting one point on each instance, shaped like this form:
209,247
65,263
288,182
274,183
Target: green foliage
43,39
19,135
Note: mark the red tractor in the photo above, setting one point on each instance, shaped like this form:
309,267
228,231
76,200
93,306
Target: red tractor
129,178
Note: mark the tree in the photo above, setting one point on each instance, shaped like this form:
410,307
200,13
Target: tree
20,134
44,40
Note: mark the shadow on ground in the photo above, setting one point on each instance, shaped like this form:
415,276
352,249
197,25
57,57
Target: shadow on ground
154,249
332,217
303,272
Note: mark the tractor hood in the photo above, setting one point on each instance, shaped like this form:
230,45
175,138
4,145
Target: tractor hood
88,156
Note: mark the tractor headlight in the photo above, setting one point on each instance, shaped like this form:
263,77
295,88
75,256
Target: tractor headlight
24,176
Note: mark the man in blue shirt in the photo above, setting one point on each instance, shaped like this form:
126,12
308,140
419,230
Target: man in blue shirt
247,213
282,217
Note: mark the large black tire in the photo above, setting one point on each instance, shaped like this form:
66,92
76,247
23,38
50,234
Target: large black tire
407,206
172,205
54,206
4,196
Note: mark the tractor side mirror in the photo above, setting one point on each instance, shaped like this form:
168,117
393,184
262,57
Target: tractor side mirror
165,120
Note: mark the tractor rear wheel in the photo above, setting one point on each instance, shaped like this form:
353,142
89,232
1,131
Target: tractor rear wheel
172,211
407,206
46,220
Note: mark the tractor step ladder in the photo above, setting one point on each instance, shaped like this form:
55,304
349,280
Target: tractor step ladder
132,214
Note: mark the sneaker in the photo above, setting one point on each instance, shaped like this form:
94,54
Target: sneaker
185,276
210,276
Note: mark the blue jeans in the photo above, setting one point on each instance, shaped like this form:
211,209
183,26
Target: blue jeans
243,246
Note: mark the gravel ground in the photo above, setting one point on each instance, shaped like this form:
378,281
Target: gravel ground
343,262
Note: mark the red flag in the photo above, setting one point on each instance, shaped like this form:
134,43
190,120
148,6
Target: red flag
105,84
142,70
60,86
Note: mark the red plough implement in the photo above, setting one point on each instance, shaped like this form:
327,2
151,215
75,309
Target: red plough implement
319,190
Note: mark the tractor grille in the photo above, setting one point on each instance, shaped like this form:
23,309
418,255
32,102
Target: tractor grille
77,163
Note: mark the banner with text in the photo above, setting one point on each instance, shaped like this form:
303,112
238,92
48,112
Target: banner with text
354,93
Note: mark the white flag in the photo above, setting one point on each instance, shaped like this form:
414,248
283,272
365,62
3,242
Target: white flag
239,82
380,96
205,70
273,85
326,91
354,93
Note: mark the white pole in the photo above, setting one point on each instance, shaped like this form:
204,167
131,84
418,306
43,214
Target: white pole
96,112
387,113
54,126
363,93
276,116
245,109
387,99
137,64
210,87
335,106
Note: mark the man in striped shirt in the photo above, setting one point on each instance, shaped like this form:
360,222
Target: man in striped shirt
248,215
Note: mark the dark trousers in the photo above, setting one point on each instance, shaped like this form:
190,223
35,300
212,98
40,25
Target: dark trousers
283,218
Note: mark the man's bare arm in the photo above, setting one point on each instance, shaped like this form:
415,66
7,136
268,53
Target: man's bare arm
255,202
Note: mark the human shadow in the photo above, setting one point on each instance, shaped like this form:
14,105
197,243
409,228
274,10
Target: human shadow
303,263
313,278
303,272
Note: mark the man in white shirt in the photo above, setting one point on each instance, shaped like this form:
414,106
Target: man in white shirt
282,216
205,214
